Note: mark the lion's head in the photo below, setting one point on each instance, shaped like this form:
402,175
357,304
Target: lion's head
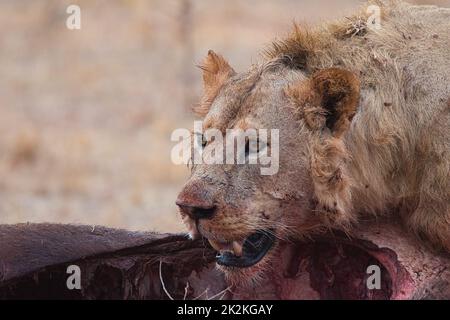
243,213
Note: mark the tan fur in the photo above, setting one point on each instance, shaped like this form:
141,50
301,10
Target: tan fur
216,71
364,121
329,94
387,138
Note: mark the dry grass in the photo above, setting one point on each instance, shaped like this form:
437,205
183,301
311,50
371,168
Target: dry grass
86,116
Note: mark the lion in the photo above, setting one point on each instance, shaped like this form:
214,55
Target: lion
363,116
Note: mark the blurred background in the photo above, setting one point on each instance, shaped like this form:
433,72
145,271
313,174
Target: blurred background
86,115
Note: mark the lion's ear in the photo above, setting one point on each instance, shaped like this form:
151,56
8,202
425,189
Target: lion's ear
216,71
329,99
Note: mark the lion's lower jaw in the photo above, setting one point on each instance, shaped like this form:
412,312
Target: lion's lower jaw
250,277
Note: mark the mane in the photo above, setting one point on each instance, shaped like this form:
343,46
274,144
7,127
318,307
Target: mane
308,48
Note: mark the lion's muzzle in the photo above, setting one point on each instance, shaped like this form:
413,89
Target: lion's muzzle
199,209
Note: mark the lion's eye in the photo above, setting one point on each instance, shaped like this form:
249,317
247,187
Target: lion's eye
200,139
204,141
251,147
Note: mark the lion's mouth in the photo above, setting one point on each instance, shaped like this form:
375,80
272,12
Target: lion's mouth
244,253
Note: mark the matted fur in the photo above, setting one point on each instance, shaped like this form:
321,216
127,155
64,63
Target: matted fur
386,151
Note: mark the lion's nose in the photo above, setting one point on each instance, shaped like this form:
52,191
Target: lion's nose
196,202
196,212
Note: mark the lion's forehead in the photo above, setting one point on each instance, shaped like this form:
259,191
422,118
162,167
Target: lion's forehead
245,98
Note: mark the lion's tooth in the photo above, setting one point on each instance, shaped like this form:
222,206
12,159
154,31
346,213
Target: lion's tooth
221,246
215,245
237,248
